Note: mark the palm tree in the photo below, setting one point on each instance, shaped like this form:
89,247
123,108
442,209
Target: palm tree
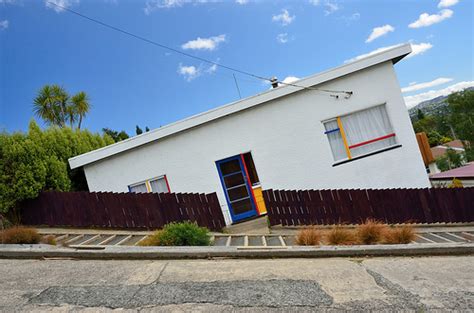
80,104
54,105
50,104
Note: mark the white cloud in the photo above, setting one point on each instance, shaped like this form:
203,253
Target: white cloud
212,69
416,49
380,31
447,3
353,18
242,1
188,72
284,18
438,81
152,5
282,38
60,5
210,43
419,48
290,79
287,80
330,5
411,101
4,24
426,20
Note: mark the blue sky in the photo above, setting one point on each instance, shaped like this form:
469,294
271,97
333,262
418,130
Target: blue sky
131,82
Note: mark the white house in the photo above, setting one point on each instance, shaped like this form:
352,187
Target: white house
308,136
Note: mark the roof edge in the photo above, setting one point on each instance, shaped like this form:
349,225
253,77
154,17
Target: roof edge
395,54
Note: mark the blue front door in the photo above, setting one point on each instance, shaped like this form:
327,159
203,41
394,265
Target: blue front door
237,188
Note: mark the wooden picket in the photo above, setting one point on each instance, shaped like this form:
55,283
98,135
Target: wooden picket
353,206
122,210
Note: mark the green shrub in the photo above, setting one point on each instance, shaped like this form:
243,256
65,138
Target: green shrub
184,234
38,160
20,235
178,234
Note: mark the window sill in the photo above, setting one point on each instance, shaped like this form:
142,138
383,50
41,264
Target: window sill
366,155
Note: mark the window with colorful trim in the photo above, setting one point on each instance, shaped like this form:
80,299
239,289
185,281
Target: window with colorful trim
157,184
360,133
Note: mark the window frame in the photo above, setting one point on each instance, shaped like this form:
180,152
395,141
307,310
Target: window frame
137,184
349,158
147,183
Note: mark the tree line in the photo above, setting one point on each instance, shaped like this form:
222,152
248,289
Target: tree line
454,121
37,160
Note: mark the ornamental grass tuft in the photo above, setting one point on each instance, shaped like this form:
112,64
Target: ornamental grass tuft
20,235
399,235
309,237
339,235
370,232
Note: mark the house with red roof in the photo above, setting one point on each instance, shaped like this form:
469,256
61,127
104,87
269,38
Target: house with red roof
464,173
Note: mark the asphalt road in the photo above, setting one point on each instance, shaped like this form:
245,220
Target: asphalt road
419,284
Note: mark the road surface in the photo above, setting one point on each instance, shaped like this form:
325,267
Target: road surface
228,285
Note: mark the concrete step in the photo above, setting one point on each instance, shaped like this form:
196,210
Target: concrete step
258,226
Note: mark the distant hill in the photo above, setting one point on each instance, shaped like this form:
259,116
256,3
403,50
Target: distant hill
432,106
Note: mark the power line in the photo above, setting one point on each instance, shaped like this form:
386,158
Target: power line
347,93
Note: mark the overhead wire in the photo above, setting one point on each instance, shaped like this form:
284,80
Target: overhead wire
230,68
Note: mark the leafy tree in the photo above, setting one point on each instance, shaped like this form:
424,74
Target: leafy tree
38,160
56,107
455,183
442,163
450,160
469,153
434,138
455,159
138,130
115,135
427,124
461,106
420,115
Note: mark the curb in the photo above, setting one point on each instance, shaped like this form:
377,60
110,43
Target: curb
149,253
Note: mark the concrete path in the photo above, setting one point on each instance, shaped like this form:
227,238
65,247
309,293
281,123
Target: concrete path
417,284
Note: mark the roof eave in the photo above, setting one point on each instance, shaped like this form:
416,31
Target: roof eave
394,55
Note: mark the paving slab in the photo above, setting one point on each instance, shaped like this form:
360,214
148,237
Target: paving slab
435,280
341,278
301,285
45,273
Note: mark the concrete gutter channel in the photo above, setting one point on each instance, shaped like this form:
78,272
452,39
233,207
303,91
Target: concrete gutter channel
135,253
113,244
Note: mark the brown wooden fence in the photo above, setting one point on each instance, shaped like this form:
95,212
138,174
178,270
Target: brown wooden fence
122,210
327,207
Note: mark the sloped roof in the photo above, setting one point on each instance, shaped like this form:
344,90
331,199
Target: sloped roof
455,144
441,150
394,55
466,171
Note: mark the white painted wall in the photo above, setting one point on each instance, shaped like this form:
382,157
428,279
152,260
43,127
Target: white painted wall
287,141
